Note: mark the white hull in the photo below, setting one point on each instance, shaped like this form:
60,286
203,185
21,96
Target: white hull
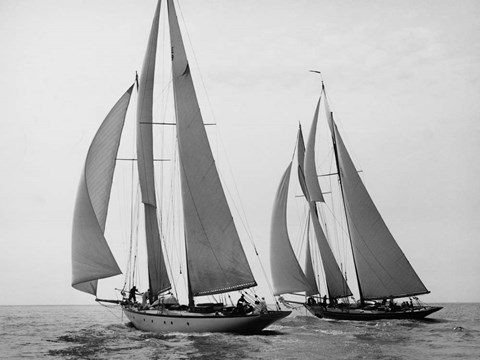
183,321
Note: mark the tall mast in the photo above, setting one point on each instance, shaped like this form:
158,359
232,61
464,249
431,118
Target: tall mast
343,196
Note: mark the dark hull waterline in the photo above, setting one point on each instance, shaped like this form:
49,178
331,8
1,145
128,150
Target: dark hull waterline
358,314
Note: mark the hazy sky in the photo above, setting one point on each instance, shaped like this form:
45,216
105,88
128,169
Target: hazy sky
403,78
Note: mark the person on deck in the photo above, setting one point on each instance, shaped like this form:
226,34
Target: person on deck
133,292
263,306
145,298
241,304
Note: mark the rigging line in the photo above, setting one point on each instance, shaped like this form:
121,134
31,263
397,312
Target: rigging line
341,248
131,223
245,225
196,61
338,124
174,199
158,181
109,309
132,194
240,209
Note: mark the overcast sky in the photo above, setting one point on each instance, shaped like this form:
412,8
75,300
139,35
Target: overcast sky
403,78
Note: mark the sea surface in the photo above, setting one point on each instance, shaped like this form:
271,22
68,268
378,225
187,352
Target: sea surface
98,332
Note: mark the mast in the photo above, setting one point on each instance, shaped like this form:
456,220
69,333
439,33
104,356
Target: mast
343,199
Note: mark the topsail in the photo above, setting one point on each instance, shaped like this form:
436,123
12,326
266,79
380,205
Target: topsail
216,261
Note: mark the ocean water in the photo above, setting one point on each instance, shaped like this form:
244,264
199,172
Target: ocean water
98,332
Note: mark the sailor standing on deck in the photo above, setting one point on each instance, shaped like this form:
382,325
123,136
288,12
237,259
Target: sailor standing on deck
133,292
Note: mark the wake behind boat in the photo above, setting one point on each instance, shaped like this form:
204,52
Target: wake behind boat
216,264
382,270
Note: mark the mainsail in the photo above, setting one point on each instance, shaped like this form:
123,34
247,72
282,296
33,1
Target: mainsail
382,268
91,256
157,272
287,275
216,261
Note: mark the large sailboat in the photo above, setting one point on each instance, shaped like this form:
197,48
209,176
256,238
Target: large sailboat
216,263
382,270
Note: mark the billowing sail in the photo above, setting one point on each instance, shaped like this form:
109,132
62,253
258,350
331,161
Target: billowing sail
309,272
313,187
336,284
300,161
216,261
91,256
287,275
157,272
382,268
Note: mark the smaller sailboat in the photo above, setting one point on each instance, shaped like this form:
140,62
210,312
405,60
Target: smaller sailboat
382,270
216,263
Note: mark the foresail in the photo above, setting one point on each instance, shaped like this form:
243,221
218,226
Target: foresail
92,259
216,261
309,272
157,271
287,275
336,283
301,161
311,178
382,268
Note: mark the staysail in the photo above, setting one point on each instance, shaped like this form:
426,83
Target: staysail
157,271
287,275
336,283
309,271
92,259
216,261
382,268
301,162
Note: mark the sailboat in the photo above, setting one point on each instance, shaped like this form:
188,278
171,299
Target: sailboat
216,263
382,270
